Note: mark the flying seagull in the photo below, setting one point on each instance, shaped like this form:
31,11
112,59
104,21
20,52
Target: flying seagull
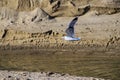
70,31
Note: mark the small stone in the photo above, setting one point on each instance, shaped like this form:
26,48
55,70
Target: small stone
51,73
9,76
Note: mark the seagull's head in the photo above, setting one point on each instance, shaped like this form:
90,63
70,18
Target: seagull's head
65,37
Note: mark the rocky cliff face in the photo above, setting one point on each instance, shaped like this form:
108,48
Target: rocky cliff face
63,7
19,4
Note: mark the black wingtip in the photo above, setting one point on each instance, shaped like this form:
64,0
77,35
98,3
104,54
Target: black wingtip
76,18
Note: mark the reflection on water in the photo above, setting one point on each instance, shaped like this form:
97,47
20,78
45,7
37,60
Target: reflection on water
96,64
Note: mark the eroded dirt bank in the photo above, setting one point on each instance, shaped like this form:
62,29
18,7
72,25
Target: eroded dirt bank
94,30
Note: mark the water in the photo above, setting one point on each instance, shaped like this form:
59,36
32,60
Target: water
99,64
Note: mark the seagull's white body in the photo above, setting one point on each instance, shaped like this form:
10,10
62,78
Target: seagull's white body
71,38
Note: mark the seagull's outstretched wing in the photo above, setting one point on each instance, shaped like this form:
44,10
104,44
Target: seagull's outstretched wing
70,29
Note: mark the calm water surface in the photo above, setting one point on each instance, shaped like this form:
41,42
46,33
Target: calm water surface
82,63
